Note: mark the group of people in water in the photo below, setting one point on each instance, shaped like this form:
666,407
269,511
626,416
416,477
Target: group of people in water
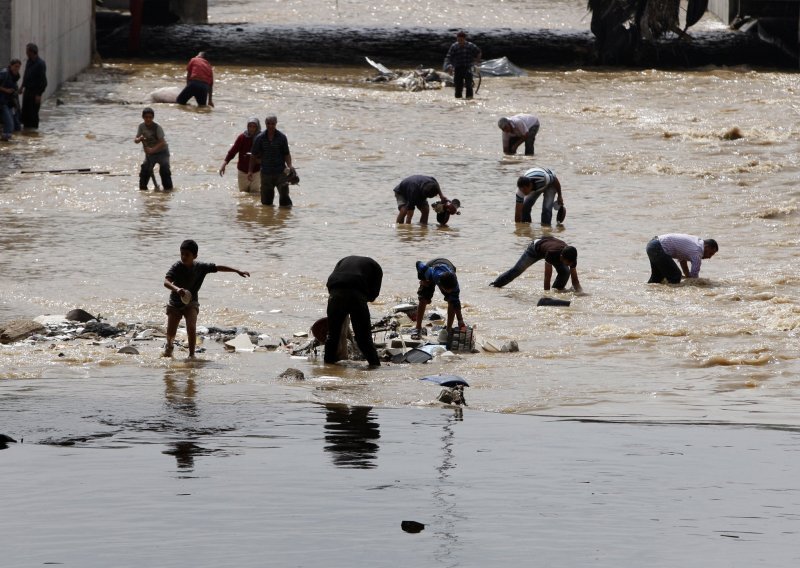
356,280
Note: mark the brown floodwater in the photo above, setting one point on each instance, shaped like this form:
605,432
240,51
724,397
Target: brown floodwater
711,152
638,153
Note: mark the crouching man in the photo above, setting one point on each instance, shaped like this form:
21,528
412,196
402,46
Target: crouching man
354,281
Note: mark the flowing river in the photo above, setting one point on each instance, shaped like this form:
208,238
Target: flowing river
711,152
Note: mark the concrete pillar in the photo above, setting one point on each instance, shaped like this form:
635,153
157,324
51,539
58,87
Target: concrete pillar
725,10
5,32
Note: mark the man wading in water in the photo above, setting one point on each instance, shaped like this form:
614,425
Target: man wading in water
459,60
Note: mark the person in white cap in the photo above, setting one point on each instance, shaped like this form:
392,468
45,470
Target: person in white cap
518,129
242,146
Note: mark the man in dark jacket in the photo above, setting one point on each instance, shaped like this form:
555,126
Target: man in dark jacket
354,281
34,84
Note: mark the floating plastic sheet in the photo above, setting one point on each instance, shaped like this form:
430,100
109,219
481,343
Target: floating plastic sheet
501,67
446,380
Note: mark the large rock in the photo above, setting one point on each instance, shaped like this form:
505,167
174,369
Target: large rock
17,330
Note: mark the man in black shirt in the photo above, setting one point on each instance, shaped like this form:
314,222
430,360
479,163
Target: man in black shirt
354,281
34,84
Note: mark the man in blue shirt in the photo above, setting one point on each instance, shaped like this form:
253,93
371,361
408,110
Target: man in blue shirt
271,150
442,273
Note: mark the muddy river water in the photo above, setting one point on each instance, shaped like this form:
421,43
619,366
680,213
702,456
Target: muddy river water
710,152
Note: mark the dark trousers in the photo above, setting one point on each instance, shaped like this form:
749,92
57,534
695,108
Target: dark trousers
529,139
30,110
196,89
462,77
146,170
528,259
661,264
268,184
341,303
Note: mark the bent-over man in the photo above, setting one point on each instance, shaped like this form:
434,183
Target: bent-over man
518,129
355,280
442,273
556,254
685,249
532,184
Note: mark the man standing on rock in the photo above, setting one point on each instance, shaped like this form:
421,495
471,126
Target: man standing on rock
34,84
199,82
459,60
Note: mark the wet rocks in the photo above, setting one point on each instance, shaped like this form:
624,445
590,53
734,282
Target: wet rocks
16,330
80,315
292,375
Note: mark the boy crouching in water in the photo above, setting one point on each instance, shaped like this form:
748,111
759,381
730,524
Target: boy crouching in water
184,278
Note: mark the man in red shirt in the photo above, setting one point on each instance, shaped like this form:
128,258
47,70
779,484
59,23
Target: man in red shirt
199,82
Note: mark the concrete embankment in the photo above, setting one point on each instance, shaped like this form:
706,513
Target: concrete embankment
243,43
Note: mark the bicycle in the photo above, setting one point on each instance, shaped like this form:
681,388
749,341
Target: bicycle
476,78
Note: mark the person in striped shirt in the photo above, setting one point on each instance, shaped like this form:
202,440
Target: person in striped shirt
532,184
686,249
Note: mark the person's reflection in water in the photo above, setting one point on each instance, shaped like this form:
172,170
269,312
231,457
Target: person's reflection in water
184,453
179,394
155,204
350,432
180,391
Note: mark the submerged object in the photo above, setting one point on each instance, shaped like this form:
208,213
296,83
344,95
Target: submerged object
552,302
446,380
412,526
165,95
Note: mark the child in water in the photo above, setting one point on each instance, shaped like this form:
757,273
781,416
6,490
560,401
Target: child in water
184,278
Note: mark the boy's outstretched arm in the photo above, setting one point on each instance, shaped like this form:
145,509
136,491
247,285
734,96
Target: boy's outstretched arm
241,273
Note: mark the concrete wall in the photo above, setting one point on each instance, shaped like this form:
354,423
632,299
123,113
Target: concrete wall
61,28
725,10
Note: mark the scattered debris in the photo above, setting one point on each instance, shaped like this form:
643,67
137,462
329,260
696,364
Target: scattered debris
423,79
241,342
129,350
